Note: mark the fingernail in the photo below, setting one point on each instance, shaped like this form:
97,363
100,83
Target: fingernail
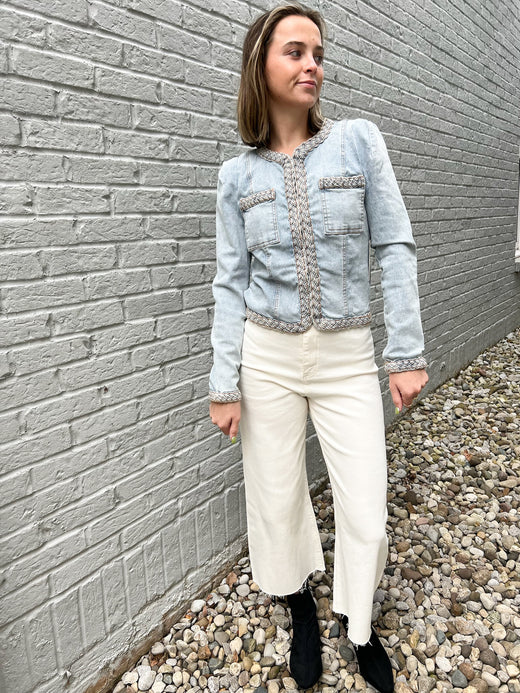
234,439
397,410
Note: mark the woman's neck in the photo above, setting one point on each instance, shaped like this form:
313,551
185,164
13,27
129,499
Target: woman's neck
288,131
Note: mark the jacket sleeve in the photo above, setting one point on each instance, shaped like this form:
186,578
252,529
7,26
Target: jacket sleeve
394,246
231,280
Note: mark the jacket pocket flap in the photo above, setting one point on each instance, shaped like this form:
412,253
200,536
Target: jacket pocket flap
246,203
342,182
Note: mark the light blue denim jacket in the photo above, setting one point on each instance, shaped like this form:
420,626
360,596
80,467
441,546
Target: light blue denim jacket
293,239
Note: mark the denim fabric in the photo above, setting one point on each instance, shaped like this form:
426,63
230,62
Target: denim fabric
293,239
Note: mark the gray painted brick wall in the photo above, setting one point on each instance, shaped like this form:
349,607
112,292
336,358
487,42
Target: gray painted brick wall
119,500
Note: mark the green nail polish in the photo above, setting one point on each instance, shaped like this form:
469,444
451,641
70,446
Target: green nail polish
234,439
397,410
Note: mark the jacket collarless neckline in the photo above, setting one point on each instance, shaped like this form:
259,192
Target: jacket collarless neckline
301,150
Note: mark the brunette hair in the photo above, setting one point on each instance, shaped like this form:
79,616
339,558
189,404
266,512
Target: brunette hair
252,110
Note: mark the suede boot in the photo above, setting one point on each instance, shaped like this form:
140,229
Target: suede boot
305,658
374,664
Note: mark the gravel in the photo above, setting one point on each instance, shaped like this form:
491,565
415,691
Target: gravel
447,608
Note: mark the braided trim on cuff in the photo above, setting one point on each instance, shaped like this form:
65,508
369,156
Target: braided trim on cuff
234,396
400,365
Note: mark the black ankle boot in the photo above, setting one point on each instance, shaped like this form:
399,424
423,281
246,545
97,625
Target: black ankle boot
305,658
374,664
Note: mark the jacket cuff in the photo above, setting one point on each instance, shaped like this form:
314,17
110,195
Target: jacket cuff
234,396
399,365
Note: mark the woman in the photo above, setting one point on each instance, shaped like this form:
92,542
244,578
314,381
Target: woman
295,217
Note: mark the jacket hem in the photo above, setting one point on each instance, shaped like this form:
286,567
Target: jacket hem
323,324
400,365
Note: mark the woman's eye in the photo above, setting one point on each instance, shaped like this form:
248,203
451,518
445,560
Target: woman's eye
319,59
297,53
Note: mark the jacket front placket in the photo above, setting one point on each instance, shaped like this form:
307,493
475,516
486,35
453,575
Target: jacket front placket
300,223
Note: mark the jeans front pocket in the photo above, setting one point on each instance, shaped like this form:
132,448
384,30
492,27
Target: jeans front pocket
342,202
260,219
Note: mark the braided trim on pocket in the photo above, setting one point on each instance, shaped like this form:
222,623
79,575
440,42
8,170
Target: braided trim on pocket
246,203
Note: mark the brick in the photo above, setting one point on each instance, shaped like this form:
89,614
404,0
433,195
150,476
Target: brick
204,545
71,10
157,303
97,109
42,561
23,328
153,556
121,336
180,227
9,429
123,23
20,390
60,410
136,144
49,354
153,62
188,321
148,525
196,296
87,44
117,283
65,199
206,23
163,400
84,564
22,28
187,98
49,67
86,317
42,294
141,200
147,253
17,165
148,117
134,386
193,150
188,543
52,135
197,250
78,259
67,628
16,265
98,230
69,464
193,47
136,581
105,421
95,371
138,435
27,599
174,174
9,129
127,84
182,274
35,233
171,548
15,672
114,592
26,97
16,199
105,170
158,9
91,606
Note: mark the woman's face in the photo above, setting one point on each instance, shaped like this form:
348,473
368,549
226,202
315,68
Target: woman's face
294,64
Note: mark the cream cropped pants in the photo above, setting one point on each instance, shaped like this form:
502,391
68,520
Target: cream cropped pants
332,376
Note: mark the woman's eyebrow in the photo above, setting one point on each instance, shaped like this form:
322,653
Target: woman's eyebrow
300,43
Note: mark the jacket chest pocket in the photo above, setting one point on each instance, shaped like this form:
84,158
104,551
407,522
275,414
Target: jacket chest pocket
260,219
342,202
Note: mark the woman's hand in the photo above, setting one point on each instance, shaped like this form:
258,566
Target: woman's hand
226,415
406,385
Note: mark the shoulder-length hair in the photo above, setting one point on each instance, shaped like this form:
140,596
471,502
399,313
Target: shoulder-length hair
252,106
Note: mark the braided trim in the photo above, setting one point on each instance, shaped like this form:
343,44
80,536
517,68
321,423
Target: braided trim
246,203
234,396
400,365
323,324
303,149
342,182
329,324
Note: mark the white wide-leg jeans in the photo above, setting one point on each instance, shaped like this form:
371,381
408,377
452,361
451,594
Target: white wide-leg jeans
333,377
